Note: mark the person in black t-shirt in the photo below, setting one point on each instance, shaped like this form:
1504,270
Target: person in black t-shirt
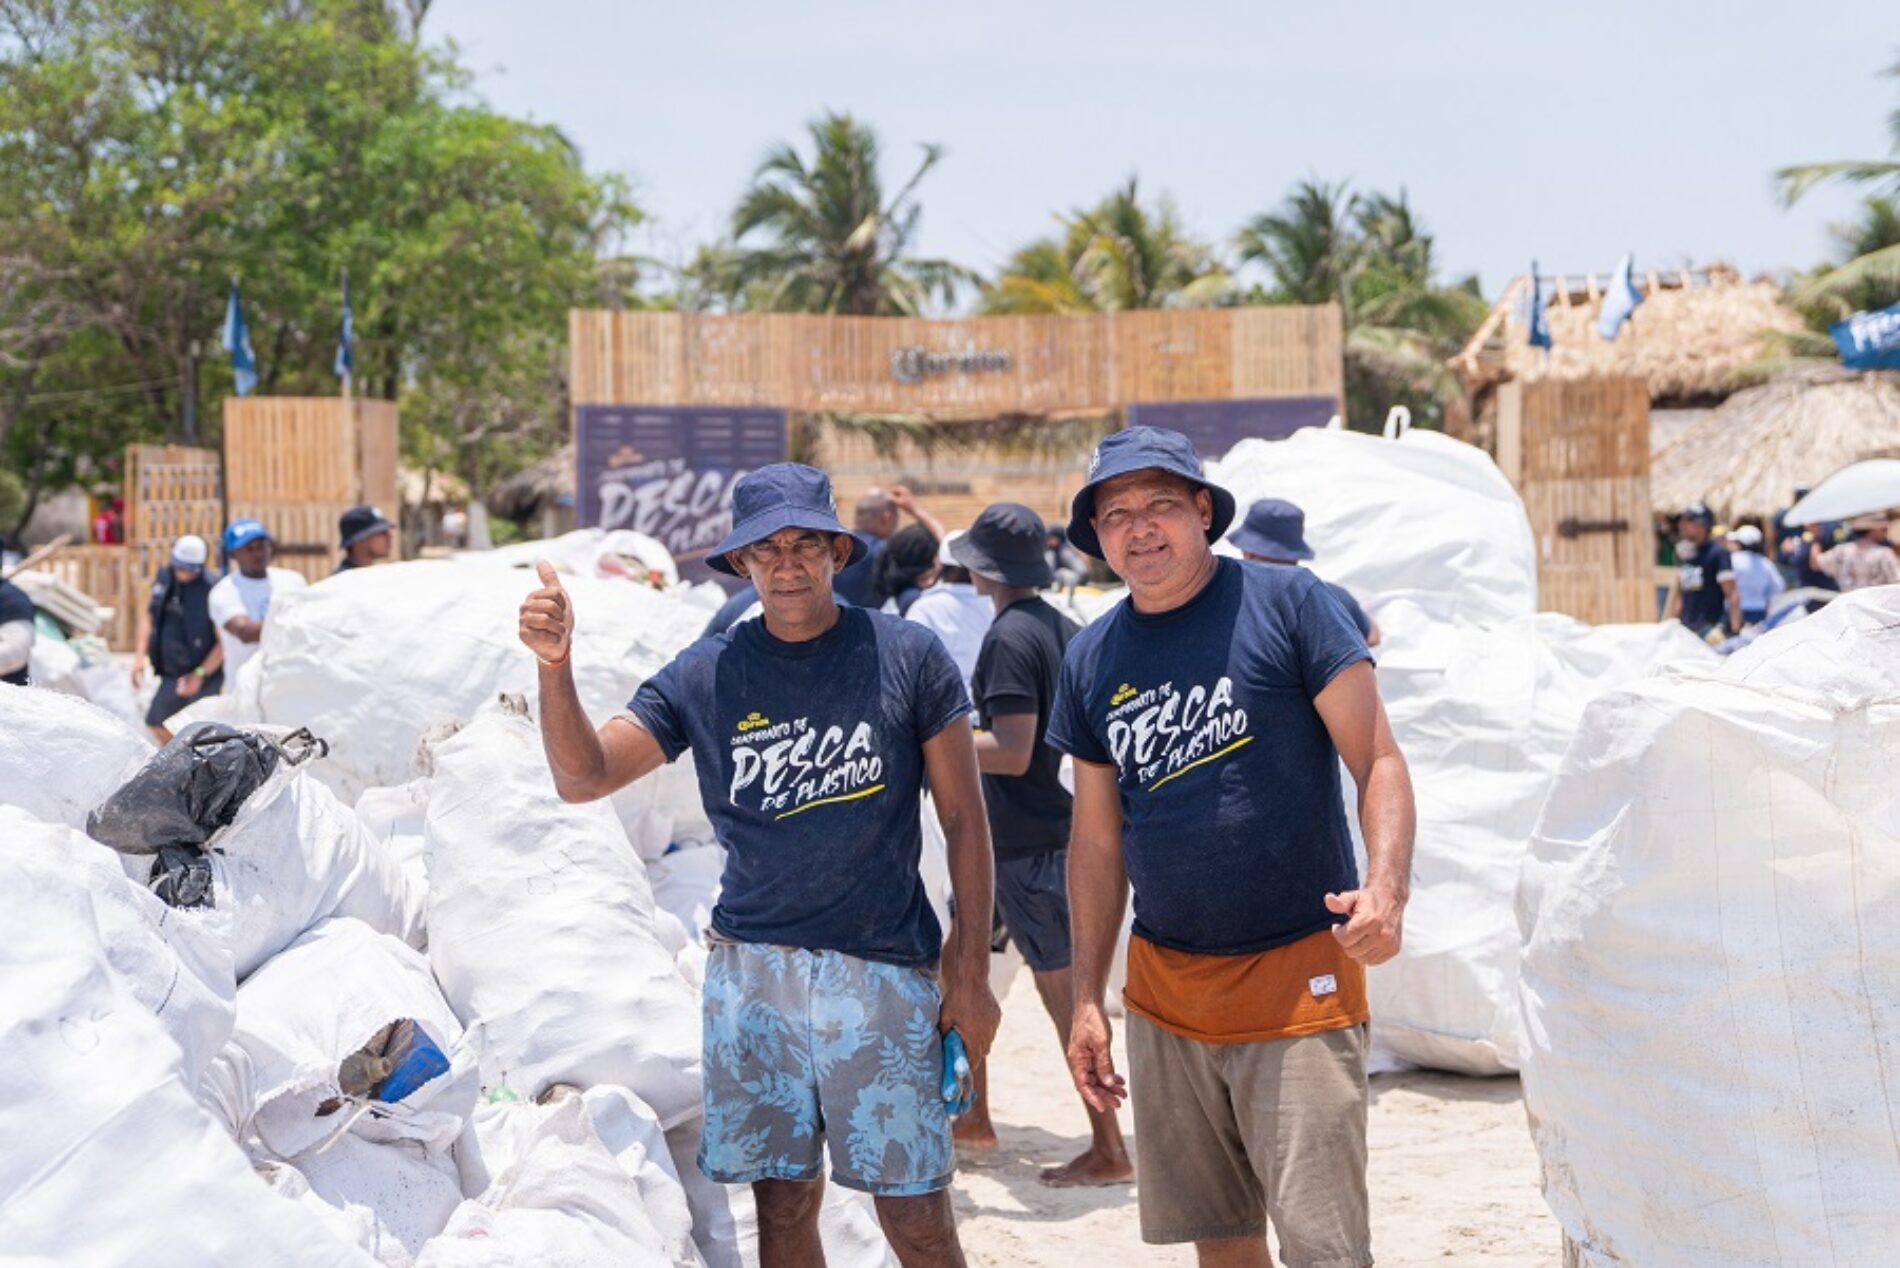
16,633
1014,690
178,638
1705,597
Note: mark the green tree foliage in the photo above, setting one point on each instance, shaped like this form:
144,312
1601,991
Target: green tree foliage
150,150
1370,255
1114,256
818,235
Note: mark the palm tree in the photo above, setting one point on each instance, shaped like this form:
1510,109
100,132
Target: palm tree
1371,255
1876,269
1115,256
832,243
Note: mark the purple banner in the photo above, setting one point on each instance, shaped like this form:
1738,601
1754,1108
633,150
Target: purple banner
668,471
1217,426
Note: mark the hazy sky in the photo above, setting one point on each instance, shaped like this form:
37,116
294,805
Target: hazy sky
1571,133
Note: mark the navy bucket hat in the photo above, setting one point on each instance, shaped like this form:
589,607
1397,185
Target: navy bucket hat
1143,449
776,497
1274,529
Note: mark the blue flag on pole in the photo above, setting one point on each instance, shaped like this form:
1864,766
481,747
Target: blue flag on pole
1869,341
1620,301
237,342
1539,320
346,342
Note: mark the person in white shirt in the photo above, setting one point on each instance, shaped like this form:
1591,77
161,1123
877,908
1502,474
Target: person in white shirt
954,611
1757,579
241,601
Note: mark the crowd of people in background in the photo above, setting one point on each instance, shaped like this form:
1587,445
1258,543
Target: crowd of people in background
1731,580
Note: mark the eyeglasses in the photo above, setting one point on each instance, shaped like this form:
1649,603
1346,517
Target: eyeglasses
807,550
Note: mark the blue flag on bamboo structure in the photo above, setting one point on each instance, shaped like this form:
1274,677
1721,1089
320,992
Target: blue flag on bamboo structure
1620,301
1538,320
346,340
1869,341
237,342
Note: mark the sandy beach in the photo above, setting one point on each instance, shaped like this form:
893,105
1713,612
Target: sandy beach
1453,1173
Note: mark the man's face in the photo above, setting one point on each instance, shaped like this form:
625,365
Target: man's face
185,576
792,571
377,547
253,558
875,514
1692,530
1152,525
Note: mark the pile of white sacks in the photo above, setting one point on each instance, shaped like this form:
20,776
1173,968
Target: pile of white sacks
173,1081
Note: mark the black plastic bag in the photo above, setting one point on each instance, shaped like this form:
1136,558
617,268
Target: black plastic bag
193,787
182,876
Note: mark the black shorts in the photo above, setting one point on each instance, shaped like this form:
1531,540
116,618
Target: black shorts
168,701
1032,893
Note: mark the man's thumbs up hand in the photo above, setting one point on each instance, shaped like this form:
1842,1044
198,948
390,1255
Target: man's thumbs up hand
547,617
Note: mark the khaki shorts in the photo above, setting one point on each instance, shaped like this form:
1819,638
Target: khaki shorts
1232,1134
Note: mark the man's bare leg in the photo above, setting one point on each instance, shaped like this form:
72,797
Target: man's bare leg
1106,1160
1234,1252
922,1230
788,1222
974,1129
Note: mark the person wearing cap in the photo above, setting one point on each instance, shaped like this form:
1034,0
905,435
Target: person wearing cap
367,537
241,601
1757,580
1274,532
1865,559
1704,597
953,610
1208,715
1014,689
17,614
178,637
812,729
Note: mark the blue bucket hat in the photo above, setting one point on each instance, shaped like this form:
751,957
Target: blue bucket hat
776,497
241,533
1275,529
1143,449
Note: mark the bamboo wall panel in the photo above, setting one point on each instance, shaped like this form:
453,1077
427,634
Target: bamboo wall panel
171,490
1578,452
998,365
297,463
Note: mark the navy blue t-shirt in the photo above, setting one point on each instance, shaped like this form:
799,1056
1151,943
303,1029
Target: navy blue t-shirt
15,606
1233,830
811,766
1354,613
1699,571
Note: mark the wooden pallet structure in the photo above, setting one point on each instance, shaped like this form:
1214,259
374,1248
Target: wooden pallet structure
297,463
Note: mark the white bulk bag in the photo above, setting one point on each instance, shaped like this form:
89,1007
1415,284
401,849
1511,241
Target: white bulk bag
1422,517
541,930
61,756
294,856
1711,953
171,963
686,883
1483,716
375,658
563,1199
298,1018
109,1161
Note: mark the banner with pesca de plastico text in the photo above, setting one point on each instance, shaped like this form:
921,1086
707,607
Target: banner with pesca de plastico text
668,471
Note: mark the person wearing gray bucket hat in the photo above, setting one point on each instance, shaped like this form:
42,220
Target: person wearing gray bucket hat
1208,715
813,728
1014,689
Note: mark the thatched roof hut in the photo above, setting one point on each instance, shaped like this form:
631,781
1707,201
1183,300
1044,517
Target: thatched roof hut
1745,458
422,487
1700,335
539,490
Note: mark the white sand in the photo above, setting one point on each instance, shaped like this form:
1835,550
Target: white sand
1453,1174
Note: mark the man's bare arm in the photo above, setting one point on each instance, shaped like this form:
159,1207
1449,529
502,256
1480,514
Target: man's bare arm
968,1005
244,629
1355,718
1098,895
1007,747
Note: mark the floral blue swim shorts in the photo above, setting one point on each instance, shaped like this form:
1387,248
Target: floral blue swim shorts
808,1046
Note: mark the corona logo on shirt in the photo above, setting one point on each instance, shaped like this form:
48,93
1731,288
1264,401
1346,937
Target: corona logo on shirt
787,768
1159,733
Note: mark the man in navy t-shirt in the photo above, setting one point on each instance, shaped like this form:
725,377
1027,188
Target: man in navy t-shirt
1274,532
1704,597
812,729
1208,715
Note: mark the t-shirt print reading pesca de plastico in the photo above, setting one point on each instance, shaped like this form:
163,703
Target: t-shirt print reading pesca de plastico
1233,828
810,764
